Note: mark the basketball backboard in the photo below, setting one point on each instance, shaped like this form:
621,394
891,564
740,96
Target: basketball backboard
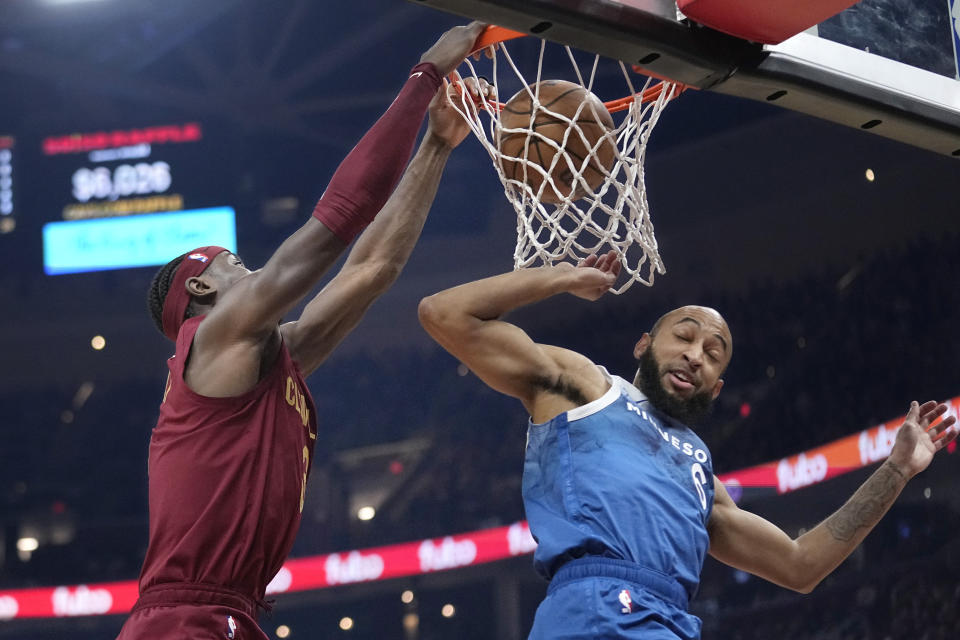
888,67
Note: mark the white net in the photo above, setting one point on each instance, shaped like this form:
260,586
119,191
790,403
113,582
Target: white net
570,219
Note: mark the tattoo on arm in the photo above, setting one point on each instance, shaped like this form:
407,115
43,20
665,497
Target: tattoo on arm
867,505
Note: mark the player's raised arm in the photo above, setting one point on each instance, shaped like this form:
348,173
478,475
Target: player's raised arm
748,542
382,250
465,320
358,191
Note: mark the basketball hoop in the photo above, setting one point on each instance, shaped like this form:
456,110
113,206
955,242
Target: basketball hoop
579,220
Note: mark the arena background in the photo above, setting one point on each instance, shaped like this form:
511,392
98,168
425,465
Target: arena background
840,292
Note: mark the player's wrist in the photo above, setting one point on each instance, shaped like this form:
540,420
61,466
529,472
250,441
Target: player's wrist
564,277
538,283
899,469
427,70
436,143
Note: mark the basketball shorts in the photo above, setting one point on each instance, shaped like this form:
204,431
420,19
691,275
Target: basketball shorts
183,611
611,599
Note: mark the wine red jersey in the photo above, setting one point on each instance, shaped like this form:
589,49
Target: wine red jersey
227,478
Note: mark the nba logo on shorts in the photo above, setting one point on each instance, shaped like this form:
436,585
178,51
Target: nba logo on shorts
231,627
626,602
200,257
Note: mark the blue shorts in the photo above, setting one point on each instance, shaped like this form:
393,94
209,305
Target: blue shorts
597,597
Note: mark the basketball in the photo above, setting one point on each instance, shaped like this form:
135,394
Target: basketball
556,97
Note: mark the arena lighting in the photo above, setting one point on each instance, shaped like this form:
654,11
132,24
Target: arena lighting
870,175
406,597
448,611
27,544
410,622
366,513
98,343
283,631
346,623
25,548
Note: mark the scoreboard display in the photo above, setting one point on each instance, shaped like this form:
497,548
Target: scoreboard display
130,197
121,172
143,240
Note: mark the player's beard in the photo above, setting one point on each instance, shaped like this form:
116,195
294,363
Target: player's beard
689,411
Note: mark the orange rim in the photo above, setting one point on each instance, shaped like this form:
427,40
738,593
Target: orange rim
652,93
493,35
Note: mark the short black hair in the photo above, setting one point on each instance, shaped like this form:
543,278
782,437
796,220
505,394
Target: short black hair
159,287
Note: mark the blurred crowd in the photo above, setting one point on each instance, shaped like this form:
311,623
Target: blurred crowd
918,602
902,583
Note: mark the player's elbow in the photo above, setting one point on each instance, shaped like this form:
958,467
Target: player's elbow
430,314
805,577
446,322
439,319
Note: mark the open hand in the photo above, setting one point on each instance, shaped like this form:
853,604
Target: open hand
917,441
594,276
453,46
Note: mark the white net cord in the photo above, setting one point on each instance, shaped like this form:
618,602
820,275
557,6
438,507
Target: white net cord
584,220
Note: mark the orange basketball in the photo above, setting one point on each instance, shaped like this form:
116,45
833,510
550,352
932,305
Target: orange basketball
564,98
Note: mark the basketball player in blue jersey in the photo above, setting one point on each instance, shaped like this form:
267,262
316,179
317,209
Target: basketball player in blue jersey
619,492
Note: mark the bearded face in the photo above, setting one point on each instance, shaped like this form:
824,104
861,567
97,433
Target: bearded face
690,410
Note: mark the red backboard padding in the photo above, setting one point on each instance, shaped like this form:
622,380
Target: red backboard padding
765,21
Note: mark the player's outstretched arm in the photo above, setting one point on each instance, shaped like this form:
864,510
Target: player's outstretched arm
358,191
382,250
465,320
748,542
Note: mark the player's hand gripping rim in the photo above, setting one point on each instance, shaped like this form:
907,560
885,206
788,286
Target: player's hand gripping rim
453,47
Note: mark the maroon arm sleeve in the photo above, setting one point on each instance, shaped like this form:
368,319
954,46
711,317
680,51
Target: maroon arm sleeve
367,176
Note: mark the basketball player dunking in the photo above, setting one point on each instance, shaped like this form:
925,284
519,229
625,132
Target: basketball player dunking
231,451
619,492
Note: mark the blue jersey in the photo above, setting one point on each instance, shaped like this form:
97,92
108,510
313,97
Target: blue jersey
617,478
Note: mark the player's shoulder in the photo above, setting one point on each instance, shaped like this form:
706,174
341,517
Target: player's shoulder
574,364
579,371
566,357
575,381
